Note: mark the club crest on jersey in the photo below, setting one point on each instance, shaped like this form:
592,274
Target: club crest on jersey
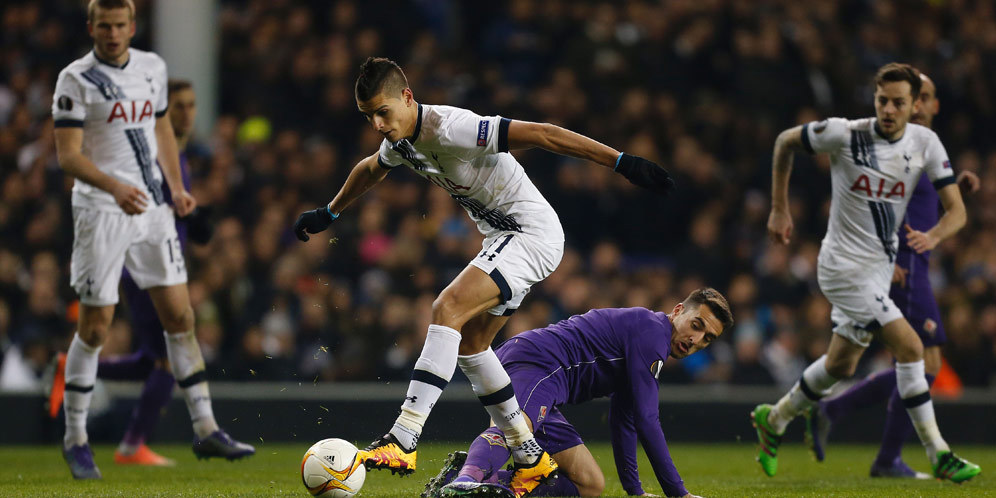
930,326
863,184
946,164
494,439
656,367
482,132
542,414
120,111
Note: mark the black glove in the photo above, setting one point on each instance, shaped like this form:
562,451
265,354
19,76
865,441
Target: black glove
199,226
644,173
313,221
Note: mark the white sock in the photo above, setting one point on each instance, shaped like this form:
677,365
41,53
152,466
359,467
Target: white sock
815,379
915,392
494,388
433,371
187,364
81,373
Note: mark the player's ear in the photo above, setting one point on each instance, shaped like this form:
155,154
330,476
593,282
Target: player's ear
678,308
408,97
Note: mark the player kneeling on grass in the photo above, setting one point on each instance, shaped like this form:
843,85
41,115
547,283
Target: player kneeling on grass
605,352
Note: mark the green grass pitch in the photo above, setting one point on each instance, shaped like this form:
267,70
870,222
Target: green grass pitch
709,470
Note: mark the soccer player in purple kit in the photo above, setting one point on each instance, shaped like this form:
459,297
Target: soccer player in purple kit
912,293
149,362
605,352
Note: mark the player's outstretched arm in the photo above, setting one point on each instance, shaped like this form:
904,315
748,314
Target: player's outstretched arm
953,219
624,443
364,176
639,171
169,160
69,150
780,220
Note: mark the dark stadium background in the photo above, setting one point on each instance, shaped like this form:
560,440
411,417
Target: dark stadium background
700,86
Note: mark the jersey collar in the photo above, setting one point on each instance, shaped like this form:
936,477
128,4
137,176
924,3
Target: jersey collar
109,63
418,126
878,132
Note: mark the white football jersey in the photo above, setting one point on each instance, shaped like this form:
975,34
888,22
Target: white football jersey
467,155
117,108
872,180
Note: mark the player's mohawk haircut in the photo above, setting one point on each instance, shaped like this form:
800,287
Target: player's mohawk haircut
379,75
895,71
716,303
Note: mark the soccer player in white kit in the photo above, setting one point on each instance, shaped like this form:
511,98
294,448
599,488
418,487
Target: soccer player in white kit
111,127
875,165
467,155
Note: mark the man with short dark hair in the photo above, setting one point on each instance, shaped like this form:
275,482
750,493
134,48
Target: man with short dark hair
913,294
109,113
872,161
149,363
604,352
468,156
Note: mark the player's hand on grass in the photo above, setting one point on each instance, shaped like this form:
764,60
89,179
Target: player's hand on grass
314,221
919,241
899,275
968,182
644,173
130,198
183,203
780,226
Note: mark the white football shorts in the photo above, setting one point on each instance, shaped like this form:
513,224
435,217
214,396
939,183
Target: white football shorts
859,295
516,261
104,242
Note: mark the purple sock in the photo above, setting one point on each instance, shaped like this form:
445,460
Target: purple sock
898,429
155,395
134,366
487,454
869,391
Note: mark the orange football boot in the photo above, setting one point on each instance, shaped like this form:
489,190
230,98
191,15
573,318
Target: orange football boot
143,456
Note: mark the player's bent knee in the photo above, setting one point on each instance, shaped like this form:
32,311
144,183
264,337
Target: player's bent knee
178,320
93,334
447,310
590,483
841,368
909,351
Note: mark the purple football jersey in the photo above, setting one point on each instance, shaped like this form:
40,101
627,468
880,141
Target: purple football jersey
181,226
614,352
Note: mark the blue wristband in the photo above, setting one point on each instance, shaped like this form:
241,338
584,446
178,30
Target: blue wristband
617,161
329,211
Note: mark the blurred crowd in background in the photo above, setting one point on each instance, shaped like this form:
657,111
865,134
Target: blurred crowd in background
700,86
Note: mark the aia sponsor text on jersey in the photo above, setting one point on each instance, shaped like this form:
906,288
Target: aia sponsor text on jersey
131,112
863,184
